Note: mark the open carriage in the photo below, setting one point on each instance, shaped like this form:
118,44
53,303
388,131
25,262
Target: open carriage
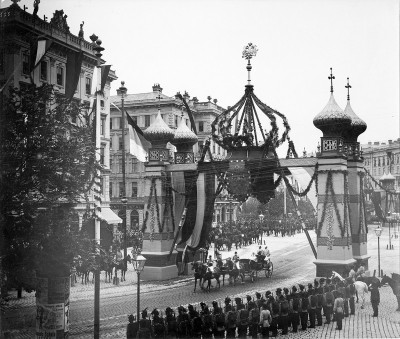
251,267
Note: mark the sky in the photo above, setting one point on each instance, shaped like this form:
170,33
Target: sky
197,46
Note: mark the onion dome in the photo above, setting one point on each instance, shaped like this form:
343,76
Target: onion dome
332,120
184,137
158,133
358,126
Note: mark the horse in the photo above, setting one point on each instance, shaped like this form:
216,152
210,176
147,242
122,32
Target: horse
235,271
106,265
203,273
84,267
395,285
121,265
370,280
361,287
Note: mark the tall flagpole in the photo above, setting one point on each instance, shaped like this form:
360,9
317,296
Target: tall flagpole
98,49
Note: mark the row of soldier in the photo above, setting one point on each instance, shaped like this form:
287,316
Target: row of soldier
296,309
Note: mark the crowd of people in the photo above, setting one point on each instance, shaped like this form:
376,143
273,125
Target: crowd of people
288,309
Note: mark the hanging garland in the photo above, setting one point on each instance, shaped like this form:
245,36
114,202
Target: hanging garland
346,202
362,216
329,229
329,189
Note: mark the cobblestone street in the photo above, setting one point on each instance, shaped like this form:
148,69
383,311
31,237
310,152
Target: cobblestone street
292,259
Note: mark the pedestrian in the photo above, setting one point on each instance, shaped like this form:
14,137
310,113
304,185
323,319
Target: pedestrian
328,303
284,317
351,290
145,328
312,300
375,298
294,309
132,328
338,309
265,321
352,274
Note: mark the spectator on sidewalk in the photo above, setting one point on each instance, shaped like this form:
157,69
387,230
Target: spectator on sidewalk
265,321
375,298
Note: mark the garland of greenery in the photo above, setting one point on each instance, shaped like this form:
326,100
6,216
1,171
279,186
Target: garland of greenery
361,211
343,226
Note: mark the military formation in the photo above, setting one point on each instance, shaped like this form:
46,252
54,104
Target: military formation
287,309
246,231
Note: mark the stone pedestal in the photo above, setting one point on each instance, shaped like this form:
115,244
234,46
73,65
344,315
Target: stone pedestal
357,208
334,243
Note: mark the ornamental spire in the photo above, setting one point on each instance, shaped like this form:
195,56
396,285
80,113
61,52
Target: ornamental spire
331,77
249,51
348,89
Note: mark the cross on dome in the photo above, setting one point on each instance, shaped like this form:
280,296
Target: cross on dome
348,89
331,78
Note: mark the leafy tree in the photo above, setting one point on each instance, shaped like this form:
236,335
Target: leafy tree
47,166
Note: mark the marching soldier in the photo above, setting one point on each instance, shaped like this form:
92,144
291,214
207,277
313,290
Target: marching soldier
230,322
328,302
207,328
260,300
275,317
158,324
145,328
254,317
242,318
219,322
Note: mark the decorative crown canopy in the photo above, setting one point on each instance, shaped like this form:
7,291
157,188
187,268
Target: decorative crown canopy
357,126
332,120
159,132
240,125
184,136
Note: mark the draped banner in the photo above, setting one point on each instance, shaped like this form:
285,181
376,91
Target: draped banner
74,64
200,196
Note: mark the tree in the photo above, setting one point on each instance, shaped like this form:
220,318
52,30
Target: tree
47,166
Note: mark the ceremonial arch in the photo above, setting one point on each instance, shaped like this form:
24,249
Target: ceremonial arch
180,195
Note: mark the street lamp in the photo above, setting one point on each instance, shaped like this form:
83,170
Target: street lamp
138,263
378,232
122,92
261,217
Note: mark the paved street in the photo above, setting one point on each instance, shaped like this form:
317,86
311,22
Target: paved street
292,259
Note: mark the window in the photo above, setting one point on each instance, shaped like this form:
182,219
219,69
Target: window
110,190
88,85
176,121
134,165
25,63
111,165
120,123
111,143
111,124
119,142
146,120
134,190
119,164
103,126
201,126
102,155
102,103
60,76
213,147
43,70
121,189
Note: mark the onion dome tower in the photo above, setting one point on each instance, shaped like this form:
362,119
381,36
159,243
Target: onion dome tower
357,127
334,123
251,148
184,140
159,134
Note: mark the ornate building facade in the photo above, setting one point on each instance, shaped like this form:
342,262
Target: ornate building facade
19,31
143,108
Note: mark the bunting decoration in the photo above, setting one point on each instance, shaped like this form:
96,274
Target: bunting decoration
38,49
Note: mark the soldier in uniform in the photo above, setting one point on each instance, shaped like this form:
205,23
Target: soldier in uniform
312,300
242,318
207,328
304,307
228,305
230,322
275,313
328,302
145,328
294,307
320,301
219,321
284,314
260,300
351,292
158,324
183,322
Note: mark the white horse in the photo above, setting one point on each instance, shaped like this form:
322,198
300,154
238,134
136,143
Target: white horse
360,286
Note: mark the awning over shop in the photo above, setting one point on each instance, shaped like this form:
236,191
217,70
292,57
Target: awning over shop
109,216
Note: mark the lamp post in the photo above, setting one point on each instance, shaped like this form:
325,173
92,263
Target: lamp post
138,263
378,232
261,217
122,92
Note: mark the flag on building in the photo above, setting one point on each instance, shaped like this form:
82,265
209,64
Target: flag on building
138,145
105,70
38,49
74,64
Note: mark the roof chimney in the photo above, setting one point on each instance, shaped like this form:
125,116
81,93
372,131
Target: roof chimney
157,88
390,142
369,143
376,143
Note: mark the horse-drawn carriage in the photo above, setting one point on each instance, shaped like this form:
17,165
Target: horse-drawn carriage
252,266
